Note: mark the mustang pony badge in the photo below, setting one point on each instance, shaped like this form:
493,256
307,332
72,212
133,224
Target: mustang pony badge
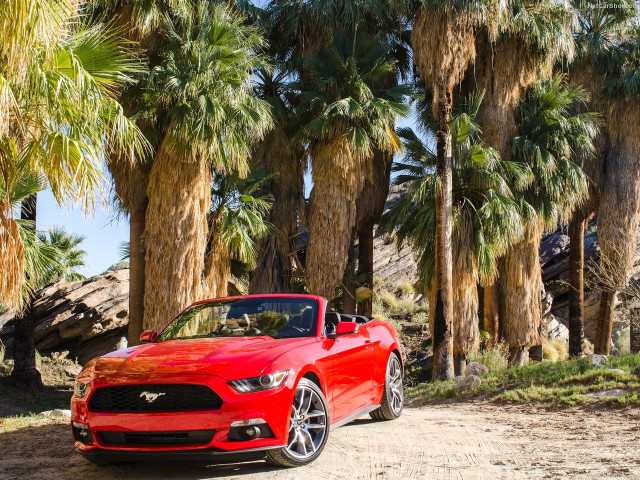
151,397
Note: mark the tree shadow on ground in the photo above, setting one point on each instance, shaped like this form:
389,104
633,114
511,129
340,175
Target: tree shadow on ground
17,401
47,451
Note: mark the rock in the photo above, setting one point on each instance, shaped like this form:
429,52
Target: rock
598,360
616,371
554,328
86,318
616,392
72,370
475,368
468,382
56,413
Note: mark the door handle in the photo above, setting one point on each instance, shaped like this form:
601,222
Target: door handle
367,342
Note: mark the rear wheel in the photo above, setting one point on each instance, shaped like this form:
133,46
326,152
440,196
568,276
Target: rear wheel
393,396
308,430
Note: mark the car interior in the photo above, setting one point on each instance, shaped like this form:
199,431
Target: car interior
331,320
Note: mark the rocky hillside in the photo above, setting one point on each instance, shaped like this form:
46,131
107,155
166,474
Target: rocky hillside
87,318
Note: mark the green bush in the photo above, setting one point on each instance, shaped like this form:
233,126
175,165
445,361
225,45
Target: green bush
494,359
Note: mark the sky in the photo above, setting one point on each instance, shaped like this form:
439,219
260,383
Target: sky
104,230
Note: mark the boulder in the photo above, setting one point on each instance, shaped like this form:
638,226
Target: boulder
468,382
598,360
56,413
555,327
475,368
87,318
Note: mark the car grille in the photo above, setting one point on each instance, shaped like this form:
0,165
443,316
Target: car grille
154,398
150,439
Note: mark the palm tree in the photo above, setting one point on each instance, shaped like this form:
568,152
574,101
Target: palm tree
62,119
285,162
72,256
443,40
298,29
201,117
552,133
347,120
608,66
58,119
237,221
531,36
486,219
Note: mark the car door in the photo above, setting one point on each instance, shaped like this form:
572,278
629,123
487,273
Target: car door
352,358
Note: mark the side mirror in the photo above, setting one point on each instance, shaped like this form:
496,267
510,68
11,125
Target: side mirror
344,328
148,336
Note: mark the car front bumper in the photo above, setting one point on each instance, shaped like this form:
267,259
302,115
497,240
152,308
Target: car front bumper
272,406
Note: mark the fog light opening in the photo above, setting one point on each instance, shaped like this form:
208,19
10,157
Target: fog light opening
251,432
82,433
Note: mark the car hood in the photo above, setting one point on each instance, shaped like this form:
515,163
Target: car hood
229,358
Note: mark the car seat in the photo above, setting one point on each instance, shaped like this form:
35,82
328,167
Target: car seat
331,320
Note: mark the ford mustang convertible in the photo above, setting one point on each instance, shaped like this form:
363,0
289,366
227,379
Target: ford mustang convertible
257,376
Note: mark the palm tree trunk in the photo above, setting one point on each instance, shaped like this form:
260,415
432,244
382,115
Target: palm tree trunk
176,233
338,179
25,374
369,208
273,270
490,312
136,273
619,213
217,270
348,285
522,278
634,335
602,344
443,317
466,331
365,265
576,285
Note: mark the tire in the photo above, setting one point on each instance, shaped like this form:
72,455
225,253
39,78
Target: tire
308,430
393,396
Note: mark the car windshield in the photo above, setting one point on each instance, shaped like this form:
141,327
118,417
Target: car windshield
247,317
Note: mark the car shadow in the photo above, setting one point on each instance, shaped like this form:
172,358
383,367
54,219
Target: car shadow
47,451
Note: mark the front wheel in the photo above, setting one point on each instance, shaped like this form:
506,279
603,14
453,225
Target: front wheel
393,396
308,430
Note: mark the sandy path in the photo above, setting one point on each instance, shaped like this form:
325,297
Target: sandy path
468,441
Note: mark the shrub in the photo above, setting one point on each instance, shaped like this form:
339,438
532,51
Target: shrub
494,359
555,350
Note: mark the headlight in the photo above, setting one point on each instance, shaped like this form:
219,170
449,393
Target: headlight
80,389
258,384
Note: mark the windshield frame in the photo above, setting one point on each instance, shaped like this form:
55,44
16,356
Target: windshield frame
316,303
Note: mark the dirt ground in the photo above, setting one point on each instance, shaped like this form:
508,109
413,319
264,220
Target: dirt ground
458,441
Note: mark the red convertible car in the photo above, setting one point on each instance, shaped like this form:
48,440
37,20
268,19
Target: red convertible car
257,376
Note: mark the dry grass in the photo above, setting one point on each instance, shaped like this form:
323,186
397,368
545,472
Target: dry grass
555,350
388,304
176,236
